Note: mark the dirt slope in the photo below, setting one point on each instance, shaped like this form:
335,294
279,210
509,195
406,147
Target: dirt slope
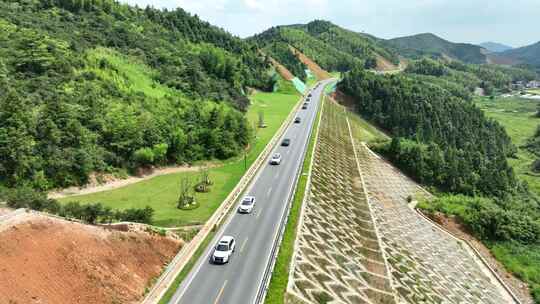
283,71
47,260
312,65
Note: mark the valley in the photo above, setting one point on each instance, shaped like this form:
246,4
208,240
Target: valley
377,170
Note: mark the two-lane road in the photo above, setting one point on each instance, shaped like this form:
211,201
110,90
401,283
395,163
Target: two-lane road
239,281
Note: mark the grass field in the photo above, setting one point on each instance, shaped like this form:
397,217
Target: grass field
162,192
517,116
534,91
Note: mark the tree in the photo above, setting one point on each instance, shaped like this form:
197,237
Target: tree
186,198
204,180
17,155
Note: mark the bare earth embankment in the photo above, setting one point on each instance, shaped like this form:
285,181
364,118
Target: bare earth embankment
48,260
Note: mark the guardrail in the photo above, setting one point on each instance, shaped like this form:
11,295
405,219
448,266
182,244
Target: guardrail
174,268
261,293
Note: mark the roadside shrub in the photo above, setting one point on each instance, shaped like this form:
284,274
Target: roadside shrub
144,156
486,219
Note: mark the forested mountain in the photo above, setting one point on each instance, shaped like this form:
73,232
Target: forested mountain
495,47
529,55
96,85
428,44
440,138
332,47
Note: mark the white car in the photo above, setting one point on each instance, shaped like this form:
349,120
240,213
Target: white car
276,159
224,249
247,204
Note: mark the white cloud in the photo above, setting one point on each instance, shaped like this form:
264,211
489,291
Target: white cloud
457,20
254,4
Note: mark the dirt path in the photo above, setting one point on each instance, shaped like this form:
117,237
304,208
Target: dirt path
119,183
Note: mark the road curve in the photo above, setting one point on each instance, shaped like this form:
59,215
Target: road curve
239,281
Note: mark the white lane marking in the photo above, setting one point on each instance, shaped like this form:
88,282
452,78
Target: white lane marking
243,245
220,292
259,214
269,191
277,230
277,176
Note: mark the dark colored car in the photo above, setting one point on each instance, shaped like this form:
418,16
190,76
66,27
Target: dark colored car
297,120
304,106
286,142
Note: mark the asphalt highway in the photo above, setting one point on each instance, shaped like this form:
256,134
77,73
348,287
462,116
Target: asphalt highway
239,281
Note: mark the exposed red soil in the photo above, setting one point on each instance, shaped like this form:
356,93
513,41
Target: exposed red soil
48,260
319,72
283,71
450,224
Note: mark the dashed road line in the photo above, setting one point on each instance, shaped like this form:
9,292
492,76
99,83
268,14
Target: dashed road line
220,292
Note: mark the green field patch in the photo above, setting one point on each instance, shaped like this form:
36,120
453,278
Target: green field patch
162,192
517,115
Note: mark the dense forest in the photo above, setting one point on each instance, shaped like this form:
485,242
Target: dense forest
533,145
439,137
285,56
332,47
96,85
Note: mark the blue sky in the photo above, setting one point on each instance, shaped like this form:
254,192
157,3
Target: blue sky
511,22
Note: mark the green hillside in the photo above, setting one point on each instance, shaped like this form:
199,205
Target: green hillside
332,47
101,86
529,55
427,44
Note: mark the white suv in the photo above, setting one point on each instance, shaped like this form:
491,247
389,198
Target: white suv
276,159
247,204
224,249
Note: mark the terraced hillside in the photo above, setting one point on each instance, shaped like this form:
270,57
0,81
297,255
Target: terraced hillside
338,257
360,242
427,264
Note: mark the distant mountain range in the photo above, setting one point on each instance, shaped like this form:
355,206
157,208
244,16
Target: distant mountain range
494,47
428,44
337,49
529,55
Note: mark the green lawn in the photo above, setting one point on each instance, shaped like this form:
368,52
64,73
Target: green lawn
162,192
534,91
517,116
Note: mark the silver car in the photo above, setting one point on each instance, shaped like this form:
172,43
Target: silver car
247,204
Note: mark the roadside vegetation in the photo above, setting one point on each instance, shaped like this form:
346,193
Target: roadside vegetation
161,193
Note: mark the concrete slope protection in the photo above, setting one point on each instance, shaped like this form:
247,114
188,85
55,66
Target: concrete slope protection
241,279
